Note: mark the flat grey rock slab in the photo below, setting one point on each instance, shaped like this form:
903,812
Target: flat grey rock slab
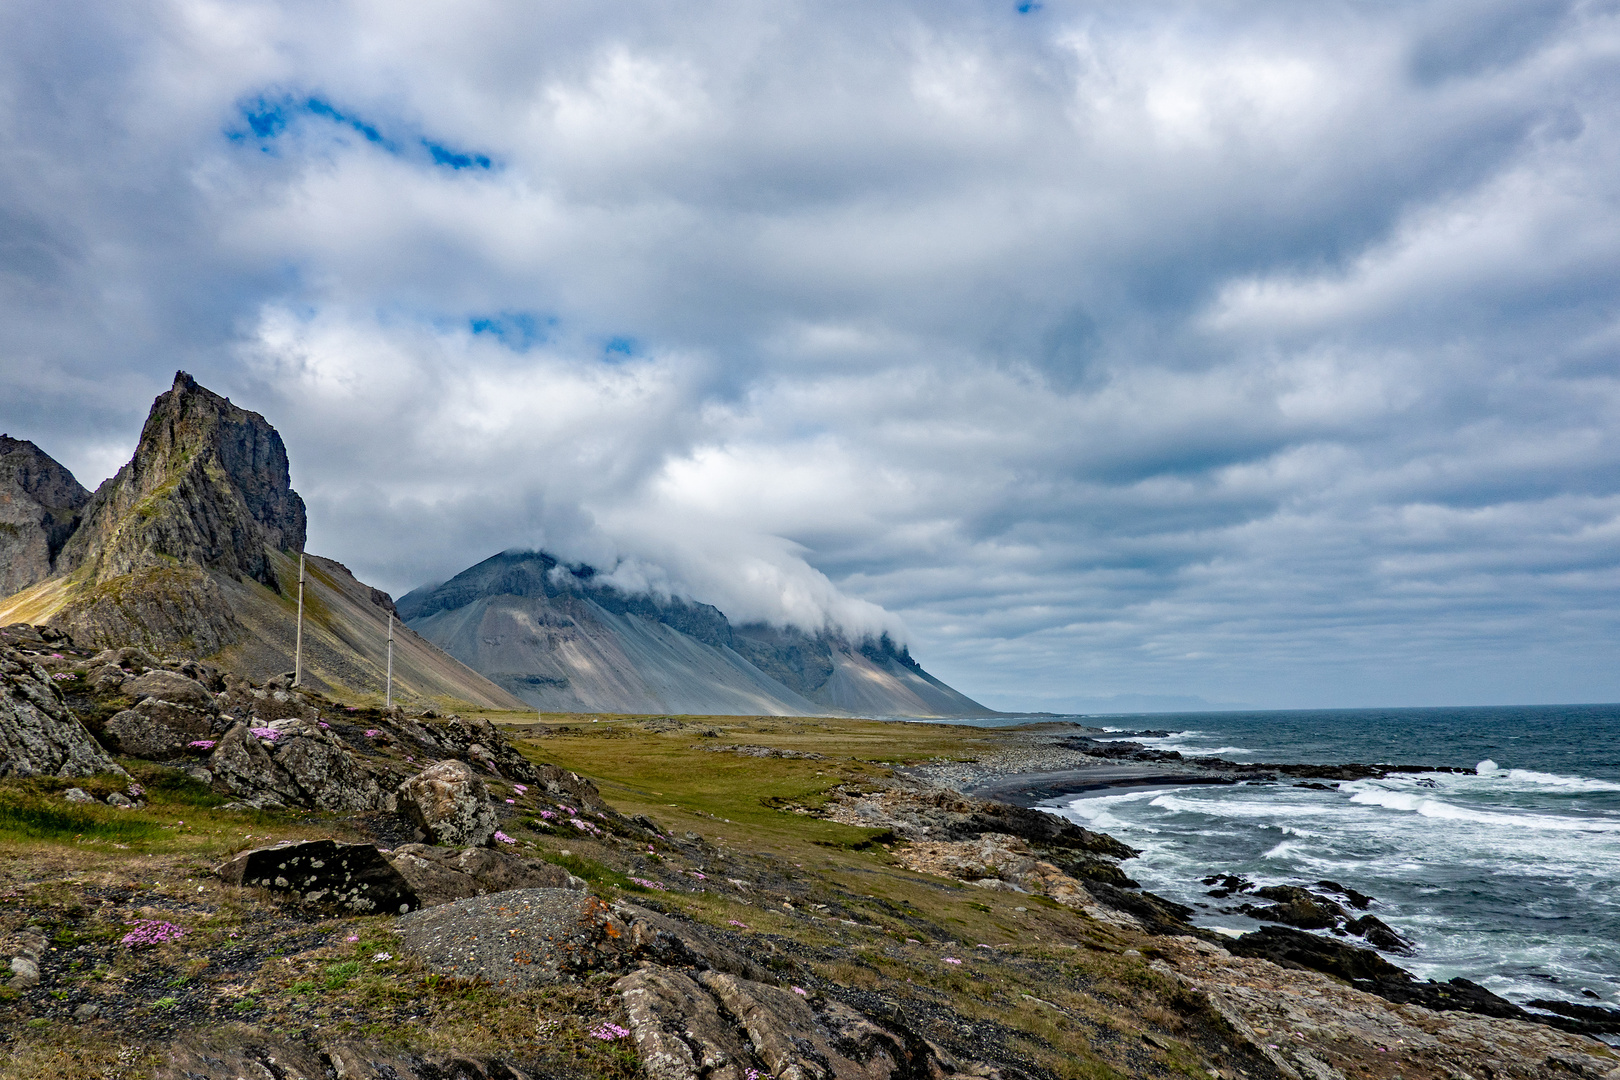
520,939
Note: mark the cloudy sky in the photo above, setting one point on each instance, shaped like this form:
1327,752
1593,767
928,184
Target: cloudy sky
1246,352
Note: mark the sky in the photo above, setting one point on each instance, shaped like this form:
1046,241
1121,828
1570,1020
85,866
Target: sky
1258,353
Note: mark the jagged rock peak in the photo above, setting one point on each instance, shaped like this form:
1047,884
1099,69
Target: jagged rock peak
208,487
40,502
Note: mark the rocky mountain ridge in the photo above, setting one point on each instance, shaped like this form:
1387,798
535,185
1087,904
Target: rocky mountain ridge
191,550
40,507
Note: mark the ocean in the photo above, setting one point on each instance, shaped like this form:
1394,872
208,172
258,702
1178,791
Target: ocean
1508,875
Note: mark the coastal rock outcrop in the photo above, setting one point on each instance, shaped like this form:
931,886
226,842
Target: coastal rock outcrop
40,503
449,802
38,735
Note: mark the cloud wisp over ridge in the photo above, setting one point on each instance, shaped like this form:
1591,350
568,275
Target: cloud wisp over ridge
1241,351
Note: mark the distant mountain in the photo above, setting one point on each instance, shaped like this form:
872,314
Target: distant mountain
192,549
563,640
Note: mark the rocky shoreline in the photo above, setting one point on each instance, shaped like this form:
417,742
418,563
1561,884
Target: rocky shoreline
1049,762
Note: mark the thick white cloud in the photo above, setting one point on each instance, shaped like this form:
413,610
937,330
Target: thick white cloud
1256,352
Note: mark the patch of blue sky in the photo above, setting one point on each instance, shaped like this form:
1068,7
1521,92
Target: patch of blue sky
269,118
619,348
445,156
517,330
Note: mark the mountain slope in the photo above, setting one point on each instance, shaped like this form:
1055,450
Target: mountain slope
40,505
563,641
192,548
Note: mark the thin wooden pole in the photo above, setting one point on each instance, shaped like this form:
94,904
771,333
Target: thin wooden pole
390,693
298,646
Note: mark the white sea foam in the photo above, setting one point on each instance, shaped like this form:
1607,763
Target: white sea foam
1578,783
1430,807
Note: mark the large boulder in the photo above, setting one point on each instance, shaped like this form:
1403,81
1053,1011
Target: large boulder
449,802
156,729
38,735
294,763
477,741
715,1025
325,873
170,686
440,875
521,939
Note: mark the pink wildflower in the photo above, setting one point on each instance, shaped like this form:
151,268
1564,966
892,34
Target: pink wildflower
152,932
503,838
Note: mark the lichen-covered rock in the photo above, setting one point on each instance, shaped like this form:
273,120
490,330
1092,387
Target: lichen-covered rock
478,741
520,939
157,730
38,735
293,763
354,877
170,686
440,875
718,1026
449,802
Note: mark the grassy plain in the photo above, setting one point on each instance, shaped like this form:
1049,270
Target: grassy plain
1041,990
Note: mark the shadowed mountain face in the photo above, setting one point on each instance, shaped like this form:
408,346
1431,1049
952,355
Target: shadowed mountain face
563,641
40,504
192,549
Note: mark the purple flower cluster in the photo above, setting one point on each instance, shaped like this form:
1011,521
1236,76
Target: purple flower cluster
62,675
503,838
372,733
645,884
548,814
201,744
585,826
608,1031
264,733
150,932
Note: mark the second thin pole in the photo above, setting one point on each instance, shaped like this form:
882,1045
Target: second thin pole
298,646
389,699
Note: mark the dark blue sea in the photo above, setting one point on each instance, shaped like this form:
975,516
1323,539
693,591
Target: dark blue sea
1508,875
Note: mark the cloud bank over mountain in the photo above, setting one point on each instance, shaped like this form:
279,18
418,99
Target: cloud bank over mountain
1252,352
